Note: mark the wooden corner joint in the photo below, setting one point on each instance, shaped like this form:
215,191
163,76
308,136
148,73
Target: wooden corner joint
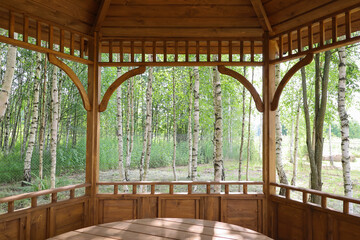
250,87
74,78
117,83
302,63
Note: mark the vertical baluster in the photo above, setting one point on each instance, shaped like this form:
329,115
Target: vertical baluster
186,51
189,188
82,47
132,51
176,51
197,51
121,51
280,46
310,36
11,207
252,51
321,33
153,188
134,190
241,51
219,51
34,202
245,188
346,207
208,51
62,40
171,188
143,51
289,44
116,189
154,51
11,24
348,25
305,197
26,29
51,37
72,193
54,197
226,188
72,44
334,29
110,51
208,188
165,51
38,33
287,193
299,40
323,201
230,51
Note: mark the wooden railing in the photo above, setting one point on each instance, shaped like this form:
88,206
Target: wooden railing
324,196
189,184
35,195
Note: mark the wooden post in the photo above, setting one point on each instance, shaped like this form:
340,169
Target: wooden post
93,129
269,174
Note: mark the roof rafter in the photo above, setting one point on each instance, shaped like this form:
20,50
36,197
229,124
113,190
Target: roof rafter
103,8
262,16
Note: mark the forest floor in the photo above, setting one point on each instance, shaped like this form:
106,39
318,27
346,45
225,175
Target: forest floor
332,179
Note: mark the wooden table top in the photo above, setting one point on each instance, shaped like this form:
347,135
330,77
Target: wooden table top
163,228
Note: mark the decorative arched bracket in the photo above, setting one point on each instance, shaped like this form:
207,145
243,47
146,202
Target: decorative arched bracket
257,99
117,83
84,96
302,63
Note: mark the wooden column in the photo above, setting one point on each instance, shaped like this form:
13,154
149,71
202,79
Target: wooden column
269,156
93,129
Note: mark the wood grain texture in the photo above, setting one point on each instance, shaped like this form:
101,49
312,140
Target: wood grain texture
302,63
117,83
258,102
74,78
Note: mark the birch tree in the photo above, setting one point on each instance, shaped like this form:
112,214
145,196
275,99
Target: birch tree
278,140
242,129
218,133
296,142
34,122
196,125
129,127
189,127
344,122
174,128
8,79
54,126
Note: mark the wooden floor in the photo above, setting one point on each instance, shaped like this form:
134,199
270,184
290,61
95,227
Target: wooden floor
163,228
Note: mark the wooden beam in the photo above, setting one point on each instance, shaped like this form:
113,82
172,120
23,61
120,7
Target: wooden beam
117,83
302,63
262,16
257,99
100,17
84,96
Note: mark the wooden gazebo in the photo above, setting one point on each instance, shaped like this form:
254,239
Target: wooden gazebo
93,31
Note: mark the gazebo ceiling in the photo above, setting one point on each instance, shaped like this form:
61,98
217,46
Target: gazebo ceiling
178,18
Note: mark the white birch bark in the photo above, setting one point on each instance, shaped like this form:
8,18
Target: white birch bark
190,127
218,134
128,131
120,132
296,143
54,126
249,132
344,121
8,79
196,126
174,128
34,121
242,130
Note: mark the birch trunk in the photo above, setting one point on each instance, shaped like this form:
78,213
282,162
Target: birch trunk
42,125
330,150
242,129
291,137
174,128
54,126
344,121
218,133
278,140
196,125
8,79
189,127
296,144
34,121
129,128
120,132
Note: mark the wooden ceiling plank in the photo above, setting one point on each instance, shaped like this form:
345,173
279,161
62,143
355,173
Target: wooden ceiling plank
100,17
179,2
262,16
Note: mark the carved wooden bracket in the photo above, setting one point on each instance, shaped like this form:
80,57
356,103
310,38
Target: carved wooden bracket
302,63
117,83
84,96
257,99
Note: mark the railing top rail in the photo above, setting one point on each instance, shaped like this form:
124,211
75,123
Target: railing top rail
43,192
182,183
